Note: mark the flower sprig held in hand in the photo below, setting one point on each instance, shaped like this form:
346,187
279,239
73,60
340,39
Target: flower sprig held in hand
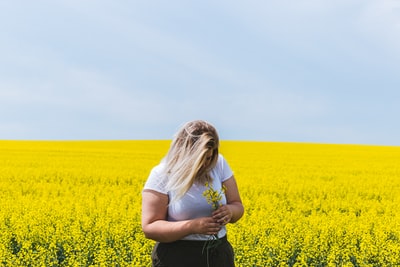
213,196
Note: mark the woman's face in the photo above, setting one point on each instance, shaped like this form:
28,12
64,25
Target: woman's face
208,157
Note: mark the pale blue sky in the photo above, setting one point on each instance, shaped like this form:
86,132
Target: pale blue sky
292,71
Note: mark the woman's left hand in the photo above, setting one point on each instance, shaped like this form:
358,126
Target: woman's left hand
222,215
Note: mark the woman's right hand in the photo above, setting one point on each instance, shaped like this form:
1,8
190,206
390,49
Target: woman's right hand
206,226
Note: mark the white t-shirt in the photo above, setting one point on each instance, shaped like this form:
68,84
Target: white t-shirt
193,204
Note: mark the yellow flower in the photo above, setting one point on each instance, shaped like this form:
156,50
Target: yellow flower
213,196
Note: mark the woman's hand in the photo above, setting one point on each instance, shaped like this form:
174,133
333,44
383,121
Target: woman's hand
206,226
233,210
222,215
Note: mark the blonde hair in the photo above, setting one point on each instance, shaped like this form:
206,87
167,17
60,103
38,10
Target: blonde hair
188,160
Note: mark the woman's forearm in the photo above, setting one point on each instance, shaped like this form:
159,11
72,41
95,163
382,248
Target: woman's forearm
237,211
165,231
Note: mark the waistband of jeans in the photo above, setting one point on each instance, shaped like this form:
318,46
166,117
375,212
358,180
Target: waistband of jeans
198,243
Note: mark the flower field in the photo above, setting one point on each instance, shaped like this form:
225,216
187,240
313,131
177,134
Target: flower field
78,203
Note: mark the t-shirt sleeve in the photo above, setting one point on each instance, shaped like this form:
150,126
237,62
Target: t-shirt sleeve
156,180
224,168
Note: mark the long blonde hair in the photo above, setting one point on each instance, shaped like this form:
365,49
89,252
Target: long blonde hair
188,159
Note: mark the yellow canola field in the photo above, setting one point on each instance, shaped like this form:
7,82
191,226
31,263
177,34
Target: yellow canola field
77,203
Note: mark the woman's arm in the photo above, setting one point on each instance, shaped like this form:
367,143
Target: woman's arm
155,225
233,210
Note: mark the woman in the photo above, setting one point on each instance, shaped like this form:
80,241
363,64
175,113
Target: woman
175,211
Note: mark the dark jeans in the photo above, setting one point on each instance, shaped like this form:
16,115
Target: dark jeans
185,253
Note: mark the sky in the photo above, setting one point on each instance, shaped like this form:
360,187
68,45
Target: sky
281,71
